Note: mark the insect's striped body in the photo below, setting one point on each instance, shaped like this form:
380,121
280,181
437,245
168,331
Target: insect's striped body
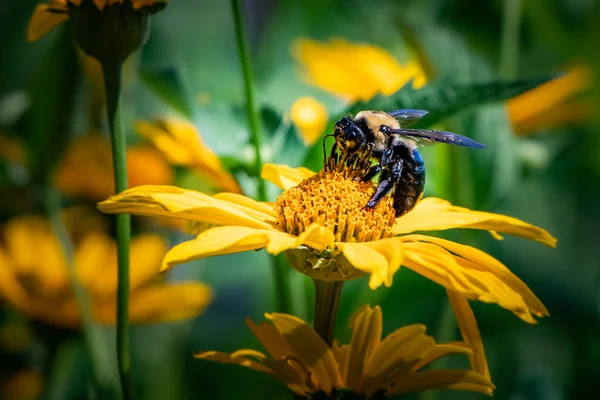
379,135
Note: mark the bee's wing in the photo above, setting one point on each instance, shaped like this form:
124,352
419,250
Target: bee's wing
430,135
407,117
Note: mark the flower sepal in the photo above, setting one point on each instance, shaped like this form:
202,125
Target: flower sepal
328,265
112,33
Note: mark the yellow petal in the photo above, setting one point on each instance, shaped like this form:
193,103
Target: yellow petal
233,359
270,338
146,254
283,176
88,156
169,302
285,369
35,253
310,117
445,379
464,276
442,350
432,214
326,67
173,202
182,144
400,350
309,349
470,332
235,239
95,261
146,166
380,258
247,205
44,20
436,264
354,71
10,288
366,325
524,109
217,241
484,262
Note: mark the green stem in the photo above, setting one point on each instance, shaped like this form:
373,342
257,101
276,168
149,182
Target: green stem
251,109
327,301
112,81
96,346
281,274
279,270
511,29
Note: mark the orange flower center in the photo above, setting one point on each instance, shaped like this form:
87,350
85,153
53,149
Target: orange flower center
335,198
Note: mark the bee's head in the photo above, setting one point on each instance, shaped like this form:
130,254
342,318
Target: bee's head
347,135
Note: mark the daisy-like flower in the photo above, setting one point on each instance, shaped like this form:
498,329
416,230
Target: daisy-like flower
354,71
47,16
34,277
108,30
321,224
368,365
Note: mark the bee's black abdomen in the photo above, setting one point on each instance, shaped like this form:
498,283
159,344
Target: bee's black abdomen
412,183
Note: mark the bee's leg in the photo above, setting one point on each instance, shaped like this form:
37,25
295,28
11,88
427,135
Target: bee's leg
390,174
371,172
332,160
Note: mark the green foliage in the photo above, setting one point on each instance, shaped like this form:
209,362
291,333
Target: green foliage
49,118
170,85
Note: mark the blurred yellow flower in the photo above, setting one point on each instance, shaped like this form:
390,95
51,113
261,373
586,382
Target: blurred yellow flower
23,385
310,117
323,218
47,16
86,169
12,150
182,144
551,104
354,71
368,365
34,277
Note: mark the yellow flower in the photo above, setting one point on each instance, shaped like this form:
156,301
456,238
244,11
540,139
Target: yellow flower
310,117
47,16
34,277
355,71
551,104
86,169
181,144
323,217
368,365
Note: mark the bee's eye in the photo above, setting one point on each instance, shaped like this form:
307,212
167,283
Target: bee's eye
384,129
351,135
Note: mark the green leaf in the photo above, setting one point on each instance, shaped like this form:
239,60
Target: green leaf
441,98
169,84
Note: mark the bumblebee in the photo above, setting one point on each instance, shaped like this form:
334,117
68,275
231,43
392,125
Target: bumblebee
383,136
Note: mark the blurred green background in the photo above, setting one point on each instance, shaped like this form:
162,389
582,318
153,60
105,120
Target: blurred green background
549,177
